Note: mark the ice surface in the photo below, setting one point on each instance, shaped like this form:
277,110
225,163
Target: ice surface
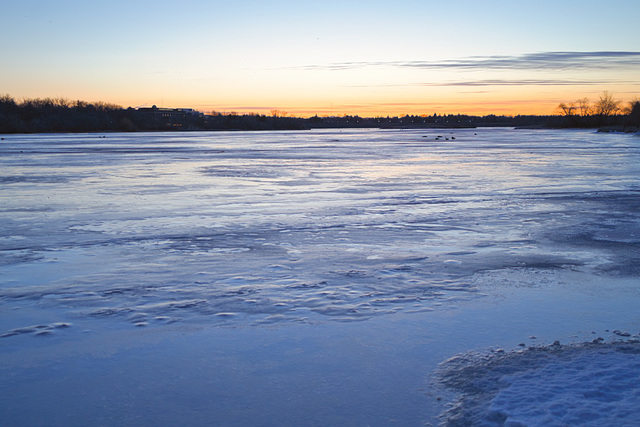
371,254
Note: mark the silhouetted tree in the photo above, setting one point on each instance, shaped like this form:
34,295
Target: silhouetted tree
567,109
634,112
584,107
607,106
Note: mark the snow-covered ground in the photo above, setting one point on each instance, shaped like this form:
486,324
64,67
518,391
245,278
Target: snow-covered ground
590,384
320,278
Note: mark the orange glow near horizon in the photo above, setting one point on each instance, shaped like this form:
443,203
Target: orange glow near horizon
509,101
392,109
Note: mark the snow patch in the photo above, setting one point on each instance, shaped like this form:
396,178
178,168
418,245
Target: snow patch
588,384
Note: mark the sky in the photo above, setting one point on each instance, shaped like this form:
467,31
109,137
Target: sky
368,58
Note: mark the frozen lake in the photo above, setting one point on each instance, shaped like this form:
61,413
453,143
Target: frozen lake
303,278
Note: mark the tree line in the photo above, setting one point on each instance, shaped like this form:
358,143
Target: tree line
606,112
56,115
62,115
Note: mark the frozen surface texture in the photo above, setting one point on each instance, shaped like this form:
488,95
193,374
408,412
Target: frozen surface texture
592,384
480,238
288,226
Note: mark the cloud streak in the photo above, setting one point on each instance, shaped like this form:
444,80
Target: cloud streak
504,82
526,82
549,61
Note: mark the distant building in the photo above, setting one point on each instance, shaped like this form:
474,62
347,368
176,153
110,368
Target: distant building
170,117
191,111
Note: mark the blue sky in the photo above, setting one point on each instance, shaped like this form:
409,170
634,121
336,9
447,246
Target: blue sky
330,57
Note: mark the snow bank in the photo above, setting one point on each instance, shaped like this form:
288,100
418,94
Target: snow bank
589,384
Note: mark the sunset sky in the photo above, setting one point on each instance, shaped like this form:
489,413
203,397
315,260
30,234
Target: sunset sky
322,57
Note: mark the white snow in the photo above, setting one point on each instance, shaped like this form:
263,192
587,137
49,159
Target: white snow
592,387
591,384
315,278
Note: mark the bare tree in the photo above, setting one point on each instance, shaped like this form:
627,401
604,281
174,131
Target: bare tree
278,113
584,107
606,105
567,109
634,103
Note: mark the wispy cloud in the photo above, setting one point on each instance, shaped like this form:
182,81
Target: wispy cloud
504,82
526,82
553,61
